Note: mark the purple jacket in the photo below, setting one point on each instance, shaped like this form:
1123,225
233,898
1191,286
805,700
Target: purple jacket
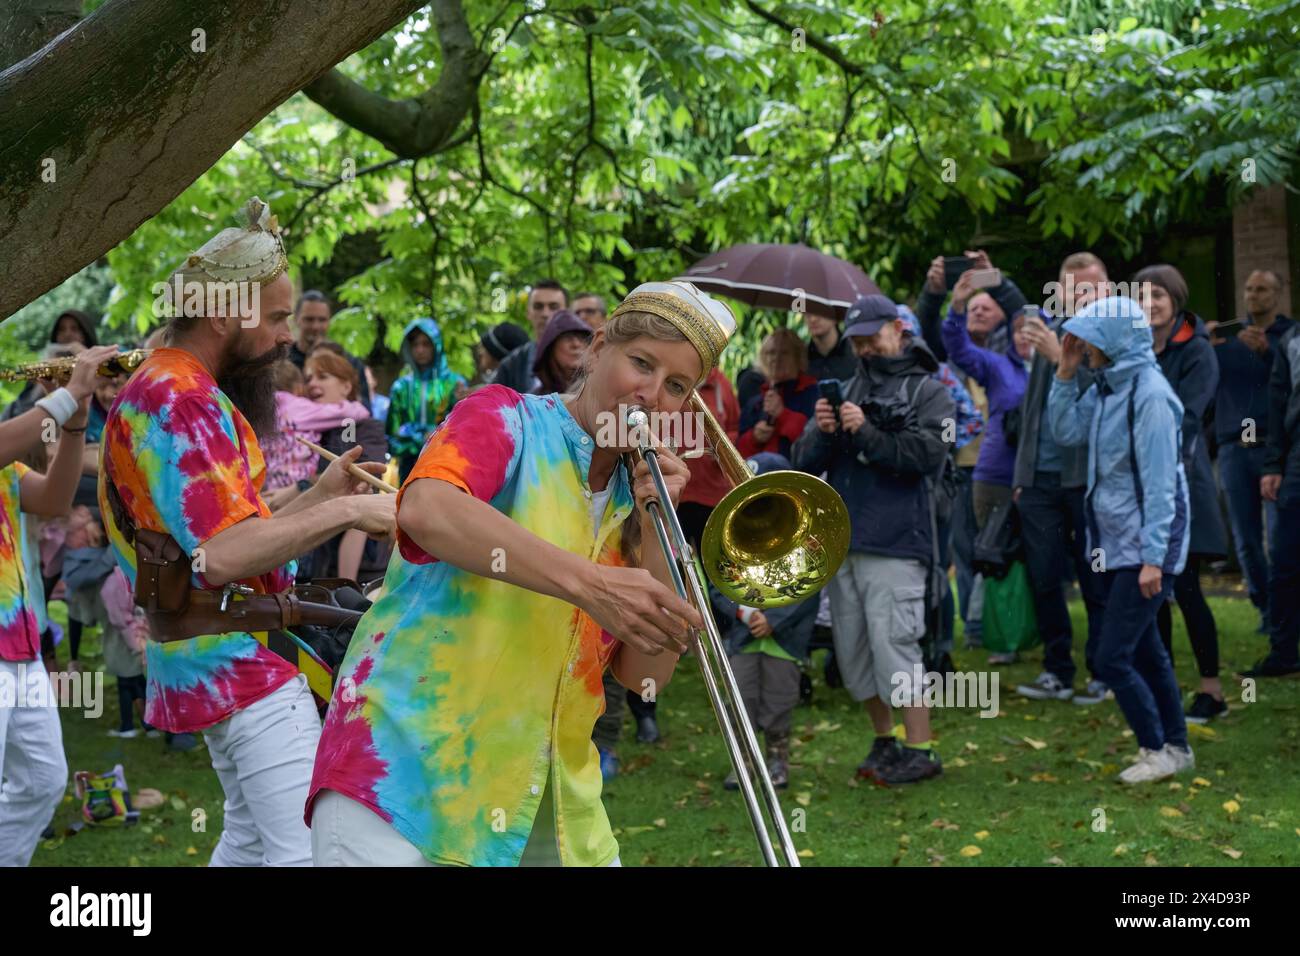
1003,375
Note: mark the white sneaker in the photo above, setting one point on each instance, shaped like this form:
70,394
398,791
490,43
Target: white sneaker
1046,686
124,734
1183,758
1152,765
1094,693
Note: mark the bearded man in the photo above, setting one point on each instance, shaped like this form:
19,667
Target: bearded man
180,450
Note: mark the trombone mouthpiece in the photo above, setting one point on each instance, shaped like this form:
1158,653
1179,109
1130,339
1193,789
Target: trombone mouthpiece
637,417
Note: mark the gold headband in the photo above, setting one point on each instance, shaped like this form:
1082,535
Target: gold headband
702,329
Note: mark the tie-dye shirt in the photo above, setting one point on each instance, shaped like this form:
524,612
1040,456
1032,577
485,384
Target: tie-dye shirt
463,697
185,461
20,636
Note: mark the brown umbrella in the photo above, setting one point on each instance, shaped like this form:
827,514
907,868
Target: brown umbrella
772,276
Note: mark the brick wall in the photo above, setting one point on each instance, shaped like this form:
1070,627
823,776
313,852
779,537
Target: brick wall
1260,241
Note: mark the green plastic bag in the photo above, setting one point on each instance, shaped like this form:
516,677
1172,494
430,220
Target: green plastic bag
1009,620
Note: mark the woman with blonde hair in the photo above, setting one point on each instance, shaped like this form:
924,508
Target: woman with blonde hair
460,729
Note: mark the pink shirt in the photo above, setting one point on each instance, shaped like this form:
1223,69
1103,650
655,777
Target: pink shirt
288,461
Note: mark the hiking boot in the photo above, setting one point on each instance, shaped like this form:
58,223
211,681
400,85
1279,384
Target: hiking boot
1150,766
1205,708
1272,666
912,766
884,751
778,761
1047,686
1094,693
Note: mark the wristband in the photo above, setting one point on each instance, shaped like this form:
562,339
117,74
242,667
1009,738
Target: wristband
59,404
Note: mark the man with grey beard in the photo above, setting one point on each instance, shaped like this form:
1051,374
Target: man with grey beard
180,456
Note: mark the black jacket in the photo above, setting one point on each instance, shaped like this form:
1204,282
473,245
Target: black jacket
881,470
516,369
1193,371
841,362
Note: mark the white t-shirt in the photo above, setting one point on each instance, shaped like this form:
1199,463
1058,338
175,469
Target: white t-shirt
598,501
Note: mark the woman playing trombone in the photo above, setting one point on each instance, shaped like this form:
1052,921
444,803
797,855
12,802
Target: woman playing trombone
460,729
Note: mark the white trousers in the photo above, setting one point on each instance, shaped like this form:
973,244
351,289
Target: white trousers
33,769
263,756
347,833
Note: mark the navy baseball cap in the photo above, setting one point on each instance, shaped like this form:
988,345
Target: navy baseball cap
869,314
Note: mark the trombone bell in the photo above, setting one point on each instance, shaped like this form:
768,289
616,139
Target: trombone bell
775,539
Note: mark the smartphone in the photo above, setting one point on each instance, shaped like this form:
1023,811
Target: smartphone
1229,329
986,279
953,267
829,389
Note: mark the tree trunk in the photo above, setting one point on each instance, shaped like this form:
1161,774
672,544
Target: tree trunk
27,25
115,117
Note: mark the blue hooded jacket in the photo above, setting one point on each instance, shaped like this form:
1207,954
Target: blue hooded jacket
1137,503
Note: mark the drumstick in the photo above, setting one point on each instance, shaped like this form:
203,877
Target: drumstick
353,470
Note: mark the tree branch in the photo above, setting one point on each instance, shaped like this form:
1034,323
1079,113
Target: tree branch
421,125
118,115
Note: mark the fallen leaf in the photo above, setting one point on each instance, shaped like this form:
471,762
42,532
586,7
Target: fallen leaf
958,762
191,851
1043,778
972,747
999,758
1170,812
1120,850
1036,744
1055,861
661,823
1230,852
971,850
1201,730
1232,806
904,839
982,834
1201,782
806,854
803,799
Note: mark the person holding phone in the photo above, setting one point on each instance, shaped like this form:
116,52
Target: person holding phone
1049,482
775,417
1138,513
1241,426
887,440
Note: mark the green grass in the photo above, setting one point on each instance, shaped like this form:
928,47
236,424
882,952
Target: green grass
1017,804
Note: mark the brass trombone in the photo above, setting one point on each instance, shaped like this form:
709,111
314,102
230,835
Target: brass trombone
773,540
